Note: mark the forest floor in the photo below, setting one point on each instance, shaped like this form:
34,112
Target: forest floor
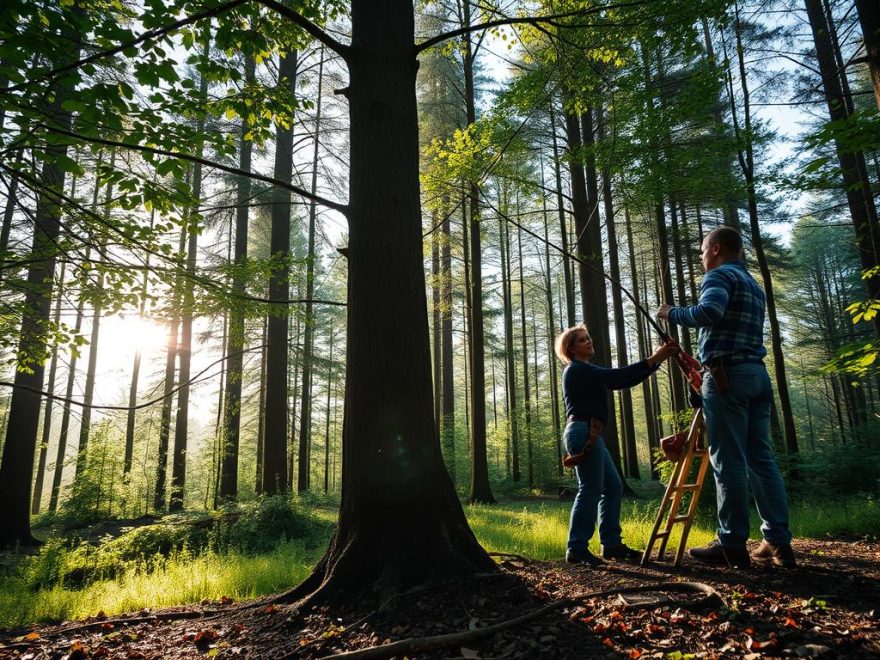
829,606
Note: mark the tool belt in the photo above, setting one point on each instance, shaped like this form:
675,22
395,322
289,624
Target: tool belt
717,367
571,460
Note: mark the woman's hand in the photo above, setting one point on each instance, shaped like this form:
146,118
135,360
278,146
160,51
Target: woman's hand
663,352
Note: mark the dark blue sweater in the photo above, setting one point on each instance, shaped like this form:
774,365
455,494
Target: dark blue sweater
585,386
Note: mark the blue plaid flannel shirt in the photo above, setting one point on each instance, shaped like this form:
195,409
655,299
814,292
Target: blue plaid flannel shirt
729,314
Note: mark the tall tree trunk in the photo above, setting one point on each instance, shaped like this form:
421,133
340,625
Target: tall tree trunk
330,337
17,467
181,420
261,411
89,390
159,499
729,209
480,491
447,418
47,413
305,424
747,164
512,407
275,446
852,164
231,433
595,298
527,398
551,330
676,382
396,492
869,17
63,435
631,462
563,225
135,376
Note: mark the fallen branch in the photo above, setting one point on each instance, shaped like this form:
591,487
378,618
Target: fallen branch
408,647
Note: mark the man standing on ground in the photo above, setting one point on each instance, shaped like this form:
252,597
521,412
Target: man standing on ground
737,396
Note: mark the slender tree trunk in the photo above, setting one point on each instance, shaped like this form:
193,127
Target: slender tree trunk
551,330
159,499
563,228
631,462
275,446
748,168
330,337
89,391
729,209
47,413
512,408
261,413
527,398
480,491
231,433
305,424
135,377
63,436
447,419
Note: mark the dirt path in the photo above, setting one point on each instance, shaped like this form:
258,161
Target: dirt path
827,607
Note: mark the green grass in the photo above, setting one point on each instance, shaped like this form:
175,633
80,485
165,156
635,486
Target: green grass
178,580
535,529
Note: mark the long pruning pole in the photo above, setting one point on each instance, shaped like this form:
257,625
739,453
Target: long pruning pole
691,368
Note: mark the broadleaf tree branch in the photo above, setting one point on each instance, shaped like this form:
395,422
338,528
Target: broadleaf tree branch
295,17
149,35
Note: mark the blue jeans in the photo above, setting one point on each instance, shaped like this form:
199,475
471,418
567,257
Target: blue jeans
738,428
599,492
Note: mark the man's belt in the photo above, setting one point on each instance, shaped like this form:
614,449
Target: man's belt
731,361
595,431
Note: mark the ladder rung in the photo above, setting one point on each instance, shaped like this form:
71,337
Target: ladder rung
659,535
680,519
690,487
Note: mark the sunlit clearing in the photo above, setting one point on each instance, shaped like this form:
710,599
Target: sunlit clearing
123,335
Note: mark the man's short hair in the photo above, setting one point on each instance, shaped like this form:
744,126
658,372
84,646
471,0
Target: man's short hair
728,238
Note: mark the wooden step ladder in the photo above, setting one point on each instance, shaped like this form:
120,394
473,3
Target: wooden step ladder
694,448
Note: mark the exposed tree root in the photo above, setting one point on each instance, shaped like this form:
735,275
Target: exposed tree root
413,645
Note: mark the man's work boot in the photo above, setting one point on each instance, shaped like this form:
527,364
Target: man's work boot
778,555
622,553
585,557
718,555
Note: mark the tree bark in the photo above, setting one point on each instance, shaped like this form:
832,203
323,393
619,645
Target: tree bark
231,432
480,490
512,406
396,492
17,465
563,225
748,168
630,454
447,418
869,18
852,164
305,424
275,445
47,413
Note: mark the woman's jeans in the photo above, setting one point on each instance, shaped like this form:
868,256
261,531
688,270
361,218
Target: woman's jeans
599,492
738,427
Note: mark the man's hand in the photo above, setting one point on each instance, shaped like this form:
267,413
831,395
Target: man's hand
663,311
